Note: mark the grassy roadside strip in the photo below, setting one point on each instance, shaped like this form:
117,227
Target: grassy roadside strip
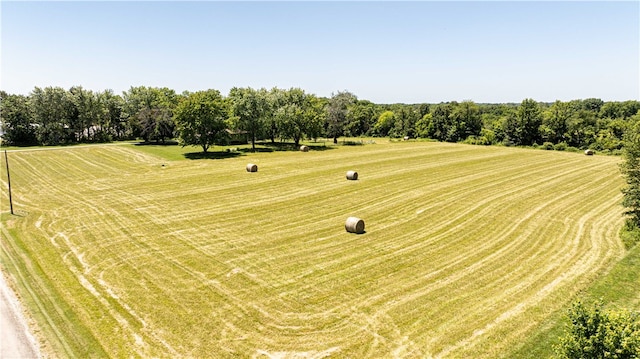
66,335
620,288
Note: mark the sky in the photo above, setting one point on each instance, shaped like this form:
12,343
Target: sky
381,51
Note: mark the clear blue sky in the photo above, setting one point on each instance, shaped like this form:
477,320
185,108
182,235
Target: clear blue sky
385,52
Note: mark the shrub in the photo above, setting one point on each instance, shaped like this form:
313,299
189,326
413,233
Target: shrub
547,146
630,233
596,333
560,146
474,140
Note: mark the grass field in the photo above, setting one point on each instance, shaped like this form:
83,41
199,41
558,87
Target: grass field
131,251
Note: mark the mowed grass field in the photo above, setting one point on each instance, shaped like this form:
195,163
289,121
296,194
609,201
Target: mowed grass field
467,249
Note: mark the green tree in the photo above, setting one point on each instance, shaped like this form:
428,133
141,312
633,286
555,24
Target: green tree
523,129
405,118
464,121
251,109
597,333
156,124
112,123
529,118
316,116
555,122
88,112
423,126
140,101
201,119
16,120
275,99
53,113
360,118
298,115
338,112
630,168
592,104
385,123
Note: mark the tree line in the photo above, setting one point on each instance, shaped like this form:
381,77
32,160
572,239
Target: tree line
53,116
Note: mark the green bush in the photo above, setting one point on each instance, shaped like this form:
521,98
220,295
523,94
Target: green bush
560,146
547,146
630,233
597,333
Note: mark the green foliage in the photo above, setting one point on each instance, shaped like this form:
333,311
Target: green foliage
630,233
423,125
524,128
630,169
201,119
597,333
384,124
298,114
464,121
555,122
156,124
562,146
138,101
547,146
56,116
52,113
251,108
338,112
16,121
361,117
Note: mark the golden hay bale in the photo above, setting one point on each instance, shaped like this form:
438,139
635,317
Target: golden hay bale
354,225
252,168
352,175
589,152
304,148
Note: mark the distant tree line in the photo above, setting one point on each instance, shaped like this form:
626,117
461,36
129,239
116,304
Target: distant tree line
53,116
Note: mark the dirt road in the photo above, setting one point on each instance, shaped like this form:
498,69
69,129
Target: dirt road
15,339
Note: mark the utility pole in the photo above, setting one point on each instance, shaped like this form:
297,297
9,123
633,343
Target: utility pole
6,160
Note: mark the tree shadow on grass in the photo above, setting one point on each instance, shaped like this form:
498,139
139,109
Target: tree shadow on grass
258,149
218,155
287,146
159,143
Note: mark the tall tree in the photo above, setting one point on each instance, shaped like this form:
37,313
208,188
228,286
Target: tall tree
438,124
201,119
524,128
555,122
88,112
631,170
112,123
385,123
16,120
360,118
251,109
337,113
156,124
53,114
298,115
140,101
464,121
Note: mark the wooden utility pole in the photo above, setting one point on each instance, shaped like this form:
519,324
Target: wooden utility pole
6,160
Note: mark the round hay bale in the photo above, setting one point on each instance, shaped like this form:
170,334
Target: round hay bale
252,168
352,175
304,148
589,152
354,225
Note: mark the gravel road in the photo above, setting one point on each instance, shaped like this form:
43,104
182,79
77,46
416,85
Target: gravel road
15,339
